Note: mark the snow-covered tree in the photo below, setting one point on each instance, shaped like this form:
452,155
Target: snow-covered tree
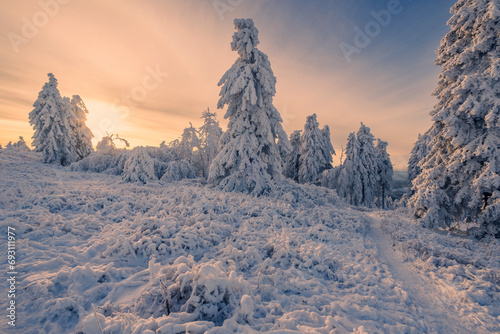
460,177
357,179
82,134
349,178
189,147
327,147
139,166
178,170
367,164
190,143
384,172
59,124
291,166
107,143
315,151
418,153
210,133
249,160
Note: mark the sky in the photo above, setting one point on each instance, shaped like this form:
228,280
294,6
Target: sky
147,68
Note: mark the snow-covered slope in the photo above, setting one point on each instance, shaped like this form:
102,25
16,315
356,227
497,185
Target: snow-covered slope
182,257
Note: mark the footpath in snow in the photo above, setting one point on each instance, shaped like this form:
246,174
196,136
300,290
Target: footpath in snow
437,303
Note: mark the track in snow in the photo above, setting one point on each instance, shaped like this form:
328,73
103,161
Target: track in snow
433,302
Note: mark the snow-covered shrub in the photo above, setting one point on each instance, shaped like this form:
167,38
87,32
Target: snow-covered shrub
139,166
110,160
178,170
19,145
207,291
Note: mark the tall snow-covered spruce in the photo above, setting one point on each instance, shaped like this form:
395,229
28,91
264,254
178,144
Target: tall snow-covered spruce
418,153
210,133
385,172
59,124
315,151
249,160
460,177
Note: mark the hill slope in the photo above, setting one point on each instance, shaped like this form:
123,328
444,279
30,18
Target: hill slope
183,257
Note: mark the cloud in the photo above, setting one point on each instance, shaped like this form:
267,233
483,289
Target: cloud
101,50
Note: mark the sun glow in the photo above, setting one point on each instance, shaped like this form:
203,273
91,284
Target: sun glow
104,118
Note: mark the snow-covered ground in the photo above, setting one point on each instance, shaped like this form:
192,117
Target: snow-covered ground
182,257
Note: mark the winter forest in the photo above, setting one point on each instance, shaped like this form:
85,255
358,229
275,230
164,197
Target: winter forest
249,229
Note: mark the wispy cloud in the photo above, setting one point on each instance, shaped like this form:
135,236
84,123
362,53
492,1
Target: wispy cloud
100,50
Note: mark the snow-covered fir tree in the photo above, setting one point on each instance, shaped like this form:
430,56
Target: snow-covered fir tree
349,177
82,134
59,124
315,151
367,164
249,160
358,175
209,133
291,166
385,172
327,147
418,153
460,177
190,147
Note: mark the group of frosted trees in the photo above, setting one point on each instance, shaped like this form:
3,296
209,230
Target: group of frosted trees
252,156
311,153
365,176
455,167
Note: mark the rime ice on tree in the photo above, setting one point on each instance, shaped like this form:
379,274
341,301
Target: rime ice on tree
460,177
249,160
315,151
210,133
384,172
59,124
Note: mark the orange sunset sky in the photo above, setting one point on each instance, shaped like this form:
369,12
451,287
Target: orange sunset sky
105,52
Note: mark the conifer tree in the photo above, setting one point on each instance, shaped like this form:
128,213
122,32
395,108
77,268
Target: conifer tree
291,168
418,153
82,134
315,151
367,165
209,133
460,177
59,124
349,180
249,160
385,172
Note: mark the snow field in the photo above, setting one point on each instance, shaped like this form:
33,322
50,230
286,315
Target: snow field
182,257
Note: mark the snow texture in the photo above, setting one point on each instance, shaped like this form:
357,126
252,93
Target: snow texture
184,257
